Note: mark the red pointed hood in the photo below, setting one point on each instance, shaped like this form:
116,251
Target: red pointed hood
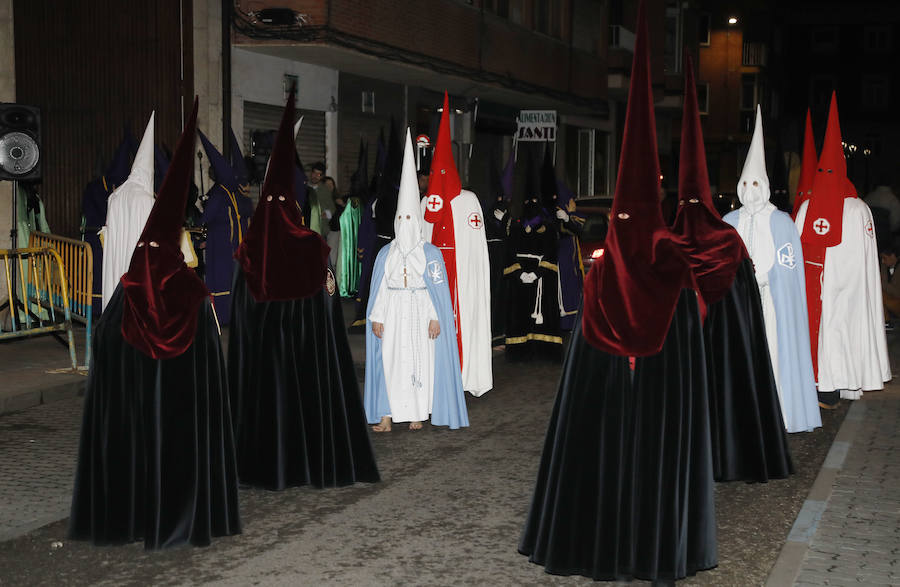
444,180
631,292
281,258
807,166
714,248
823,224
162,295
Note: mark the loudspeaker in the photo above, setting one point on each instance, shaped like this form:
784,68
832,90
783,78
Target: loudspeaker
20,142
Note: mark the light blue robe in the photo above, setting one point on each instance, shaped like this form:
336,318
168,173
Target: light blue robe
788,287
449,404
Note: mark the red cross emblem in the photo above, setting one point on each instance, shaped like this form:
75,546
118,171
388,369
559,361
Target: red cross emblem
821,226
475,220
870,230
434,203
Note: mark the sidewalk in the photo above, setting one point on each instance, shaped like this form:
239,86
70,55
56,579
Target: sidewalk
37,370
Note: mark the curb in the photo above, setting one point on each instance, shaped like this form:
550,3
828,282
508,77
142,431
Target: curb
790,559
36,397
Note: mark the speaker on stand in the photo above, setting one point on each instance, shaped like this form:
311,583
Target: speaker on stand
20,160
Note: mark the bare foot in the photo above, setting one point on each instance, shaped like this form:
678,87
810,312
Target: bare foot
384,426
415,425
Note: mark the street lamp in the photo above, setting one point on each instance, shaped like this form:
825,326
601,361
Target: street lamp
732,20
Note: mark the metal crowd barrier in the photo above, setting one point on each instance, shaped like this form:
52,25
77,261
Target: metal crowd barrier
78,267
38,295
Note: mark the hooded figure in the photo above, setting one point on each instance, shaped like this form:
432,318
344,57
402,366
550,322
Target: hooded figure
128,208
412,361
226,216
93,204
560,205
496,219
156,460
625,488
748,436
350,266
774,246
532,273
299,417
807,167
454,223
843,289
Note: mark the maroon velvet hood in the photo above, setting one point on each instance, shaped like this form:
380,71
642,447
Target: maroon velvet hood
631,291
281,258
162,295
713,247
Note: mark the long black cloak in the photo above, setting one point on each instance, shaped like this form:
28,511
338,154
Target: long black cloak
299,417
156,459
625,486
749,441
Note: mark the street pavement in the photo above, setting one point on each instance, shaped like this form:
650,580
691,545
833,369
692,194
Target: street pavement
451,504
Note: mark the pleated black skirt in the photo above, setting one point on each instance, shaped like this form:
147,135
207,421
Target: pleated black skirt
625,486
156,460
749,441
298,411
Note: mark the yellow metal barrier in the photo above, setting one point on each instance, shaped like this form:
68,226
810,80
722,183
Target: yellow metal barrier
38,294
78,267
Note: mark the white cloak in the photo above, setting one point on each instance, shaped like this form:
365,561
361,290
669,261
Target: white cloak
473,283
853,353
126,214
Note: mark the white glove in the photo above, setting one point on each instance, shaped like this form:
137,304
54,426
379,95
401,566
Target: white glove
562,215
499,214
527,277
327,213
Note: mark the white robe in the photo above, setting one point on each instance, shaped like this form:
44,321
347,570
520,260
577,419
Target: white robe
407,351
853,353
473,283
128,208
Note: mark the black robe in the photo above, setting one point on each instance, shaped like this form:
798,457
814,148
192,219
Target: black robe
529,337
749,441
625,485
156,460
298,412
495,231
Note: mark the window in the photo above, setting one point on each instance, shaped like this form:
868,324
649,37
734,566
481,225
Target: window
703,97
673,39
824,40
875,92
547,17
877,39
749,95
498,7
703,26
587,152
368,102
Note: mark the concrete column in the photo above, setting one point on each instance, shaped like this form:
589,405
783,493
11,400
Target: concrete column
208,70
7,94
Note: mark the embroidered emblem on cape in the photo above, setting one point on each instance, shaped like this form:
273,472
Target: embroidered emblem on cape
821,226
435,273
475,220
785,256
434,202
329,283
870,230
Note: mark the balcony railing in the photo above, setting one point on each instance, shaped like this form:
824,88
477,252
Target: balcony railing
755,54
621,38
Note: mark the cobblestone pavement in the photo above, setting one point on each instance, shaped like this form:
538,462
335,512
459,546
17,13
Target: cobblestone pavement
857,540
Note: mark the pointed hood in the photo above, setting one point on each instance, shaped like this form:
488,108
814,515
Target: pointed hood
496,182
778,178
444,183
753,186
380,156
221,167
506,179
714,249
359,181
388,184
238,164
631,291
824,217
281,258
142,170
408,221
162,296
807,166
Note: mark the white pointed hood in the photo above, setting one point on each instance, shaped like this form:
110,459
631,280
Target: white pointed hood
142,170
753,186
408,223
